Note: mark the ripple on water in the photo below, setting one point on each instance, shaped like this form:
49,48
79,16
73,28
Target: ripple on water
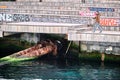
48,70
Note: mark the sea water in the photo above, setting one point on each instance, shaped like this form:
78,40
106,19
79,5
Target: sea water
52,69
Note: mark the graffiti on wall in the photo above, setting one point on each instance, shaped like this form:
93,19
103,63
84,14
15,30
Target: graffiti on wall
14,17
101,9
3,7
58,19
43,18
87,14
110,22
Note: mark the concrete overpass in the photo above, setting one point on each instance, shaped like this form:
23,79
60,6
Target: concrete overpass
38,27
76,32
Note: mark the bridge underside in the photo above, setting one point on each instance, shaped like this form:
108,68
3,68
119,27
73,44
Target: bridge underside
76,32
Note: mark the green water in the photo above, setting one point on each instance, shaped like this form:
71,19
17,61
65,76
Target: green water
49,69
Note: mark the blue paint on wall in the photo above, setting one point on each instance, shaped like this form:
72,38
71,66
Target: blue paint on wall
101,9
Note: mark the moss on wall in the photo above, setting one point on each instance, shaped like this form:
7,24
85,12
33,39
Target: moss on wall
9,46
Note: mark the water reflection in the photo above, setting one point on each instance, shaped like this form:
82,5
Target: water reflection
60,69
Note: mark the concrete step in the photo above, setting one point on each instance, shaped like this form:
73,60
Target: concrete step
57,12
63,4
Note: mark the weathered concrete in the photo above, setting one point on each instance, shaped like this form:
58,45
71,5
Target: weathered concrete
105,36
1,34
101,46
37,27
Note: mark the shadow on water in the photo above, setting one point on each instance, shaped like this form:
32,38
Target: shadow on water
64,69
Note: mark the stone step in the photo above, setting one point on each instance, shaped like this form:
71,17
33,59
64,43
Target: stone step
62,4
84,1
59,12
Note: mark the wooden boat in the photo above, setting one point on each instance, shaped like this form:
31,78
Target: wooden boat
40,49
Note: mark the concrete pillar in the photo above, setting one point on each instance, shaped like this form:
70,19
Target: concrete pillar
102,57
1,34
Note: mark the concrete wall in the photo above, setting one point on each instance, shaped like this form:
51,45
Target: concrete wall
101,46
30,37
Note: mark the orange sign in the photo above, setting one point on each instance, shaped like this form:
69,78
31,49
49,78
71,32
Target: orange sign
3,6
109,22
